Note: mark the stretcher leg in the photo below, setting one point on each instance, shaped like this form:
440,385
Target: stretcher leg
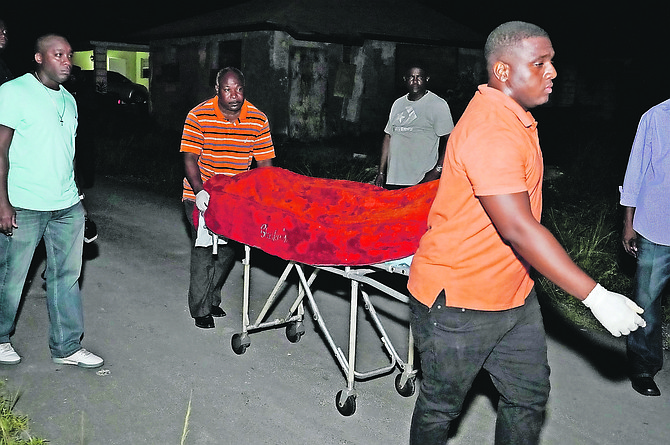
293,320
240,341
405,382
346,398
346,401
353,318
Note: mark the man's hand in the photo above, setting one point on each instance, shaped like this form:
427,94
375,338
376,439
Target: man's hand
432,175
618,314
380,179
628,235
7,212
7,219
202,200
629,241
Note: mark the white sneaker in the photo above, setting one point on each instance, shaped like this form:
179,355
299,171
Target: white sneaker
81,358
8,355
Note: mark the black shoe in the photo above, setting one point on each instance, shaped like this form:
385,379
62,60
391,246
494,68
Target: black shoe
206,322
645,386
217,312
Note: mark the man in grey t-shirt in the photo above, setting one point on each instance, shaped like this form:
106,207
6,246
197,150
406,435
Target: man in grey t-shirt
416,135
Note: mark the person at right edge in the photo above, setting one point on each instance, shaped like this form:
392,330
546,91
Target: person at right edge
646,236
474,305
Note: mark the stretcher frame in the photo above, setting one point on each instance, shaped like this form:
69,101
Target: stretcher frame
345,400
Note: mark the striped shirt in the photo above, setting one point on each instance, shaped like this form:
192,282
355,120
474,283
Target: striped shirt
224,147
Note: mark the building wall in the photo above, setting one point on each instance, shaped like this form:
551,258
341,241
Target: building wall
309,90
183,73
265,63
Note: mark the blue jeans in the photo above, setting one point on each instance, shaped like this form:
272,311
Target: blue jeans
63,234
645,345
455,344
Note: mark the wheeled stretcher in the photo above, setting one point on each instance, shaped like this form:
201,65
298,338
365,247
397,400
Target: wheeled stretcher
319,226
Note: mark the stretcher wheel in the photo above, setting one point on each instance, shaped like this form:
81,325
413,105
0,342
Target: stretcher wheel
348,407
294,331
240,343
406,390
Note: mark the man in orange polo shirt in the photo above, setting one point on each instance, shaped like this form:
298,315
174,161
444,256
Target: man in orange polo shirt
474,306
222,136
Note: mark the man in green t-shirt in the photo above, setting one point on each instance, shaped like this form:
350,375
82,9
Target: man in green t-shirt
39,200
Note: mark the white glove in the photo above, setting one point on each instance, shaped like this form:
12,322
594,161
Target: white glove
202,200
616,313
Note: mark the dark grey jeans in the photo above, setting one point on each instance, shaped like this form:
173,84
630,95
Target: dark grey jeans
645,345
208,271
455,344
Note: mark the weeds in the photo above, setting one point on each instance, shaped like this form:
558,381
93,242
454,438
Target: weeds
188,416
590,238
353,159
590,231
14,428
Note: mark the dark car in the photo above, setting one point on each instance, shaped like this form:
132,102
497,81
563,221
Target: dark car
119,88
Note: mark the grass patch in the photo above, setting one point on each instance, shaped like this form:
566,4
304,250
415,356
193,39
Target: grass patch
14,427
581,210
590,237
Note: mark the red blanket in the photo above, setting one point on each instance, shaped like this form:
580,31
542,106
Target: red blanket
318,221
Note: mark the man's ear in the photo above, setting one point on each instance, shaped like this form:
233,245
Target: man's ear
501,71
38,58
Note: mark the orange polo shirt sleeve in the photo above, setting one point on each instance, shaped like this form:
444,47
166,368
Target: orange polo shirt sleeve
494,149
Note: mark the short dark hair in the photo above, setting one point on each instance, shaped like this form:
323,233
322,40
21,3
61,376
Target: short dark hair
230,69
415,64
40,42
508,35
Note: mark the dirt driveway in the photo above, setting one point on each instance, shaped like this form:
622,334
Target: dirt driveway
156,360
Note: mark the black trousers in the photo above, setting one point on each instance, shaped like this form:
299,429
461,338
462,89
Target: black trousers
208,271
455,344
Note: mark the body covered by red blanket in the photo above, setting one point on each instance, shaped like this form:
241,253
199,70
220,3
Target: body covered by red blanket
318,221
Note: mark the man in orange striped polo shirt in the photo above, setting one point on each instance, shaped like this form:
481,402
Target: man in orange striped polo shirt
222,136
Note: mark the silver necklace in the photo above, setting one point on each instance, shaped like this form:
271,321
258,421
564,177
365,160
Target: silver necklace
60,115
